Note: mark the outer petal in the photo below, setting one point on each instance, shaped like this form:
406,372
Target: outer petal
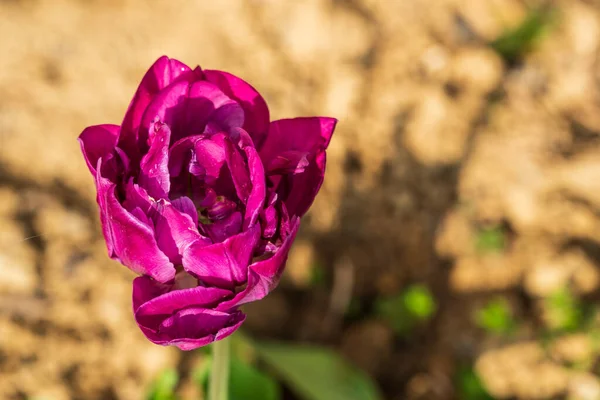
128,239
309,136
96,142
189,108
305,135
263,276
185,318
196,327
161,74
255,108
298,191
223,264
152,298
207,103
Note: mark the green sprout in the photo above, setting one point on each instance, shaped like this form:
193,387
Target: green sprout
412,306
491,240
496,317
515,43
163,387
565,312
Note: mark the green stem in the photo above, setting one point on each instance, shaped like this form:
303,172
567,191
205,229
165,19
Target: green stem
219,374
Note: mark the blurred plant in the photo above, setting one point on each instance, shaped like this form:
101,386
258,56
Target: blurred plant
246,382
355,308
312,372
514,43
469,385
403,312
163,388
316,373
564,312
496,317
490,239
318,276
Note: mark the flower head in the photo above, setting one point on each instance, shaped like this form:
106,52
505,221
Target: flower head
201,194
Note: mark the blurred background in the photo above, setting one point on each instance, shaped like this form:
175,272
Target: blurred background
453,252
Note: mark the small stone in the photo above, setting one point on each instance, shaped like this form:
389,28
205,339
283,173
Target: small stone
17,260
584,386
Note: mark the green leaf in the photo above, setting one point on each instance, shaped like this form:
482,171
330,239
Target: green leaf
164,386
245,381
316,373
496,317
469,386
248,383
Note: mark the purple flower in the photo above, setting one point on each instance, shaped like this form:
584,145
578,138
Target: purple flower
201,194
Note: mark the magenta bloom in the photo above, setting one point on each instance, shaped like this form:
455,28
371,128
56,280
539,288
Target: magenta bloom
201,194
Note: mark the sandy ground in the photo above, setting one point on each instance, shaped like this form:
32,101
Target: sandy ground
439,138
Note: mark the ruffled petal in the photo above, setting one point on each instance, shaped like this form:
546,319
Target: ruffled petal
256,198
168,106
305,135
256,112
309,137
176,230
97,142
161,74
130,240
209,157
298,191
207,103
152,298
289,162
223,264
238,170
192,328
229,226
154,167
189,109
184,318
264,275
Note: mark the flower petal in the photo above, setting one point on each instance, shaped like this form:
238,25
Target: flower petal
306,135
230,226
264,275
161,74
196,327
238,170
223,264
256,198
310,136
175,231
207,103
96,142
128,239
298,191
256,112
185,318
152,298
154,166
